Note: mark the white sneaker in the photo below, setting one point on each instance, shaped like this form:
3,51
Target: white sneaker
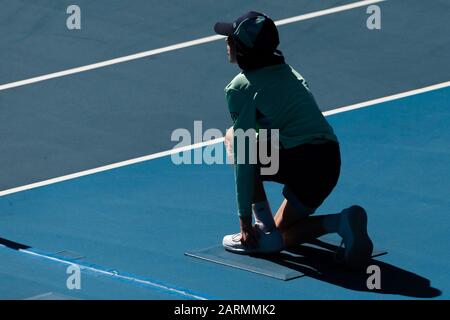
232,242
268,242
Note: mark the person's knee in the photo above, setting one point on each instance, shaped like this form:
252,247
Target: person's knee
299,209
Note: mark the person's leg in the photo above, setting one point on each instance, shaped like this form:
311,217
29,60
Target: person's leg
350,224
261,208
259,194
297,227
294,223
313,171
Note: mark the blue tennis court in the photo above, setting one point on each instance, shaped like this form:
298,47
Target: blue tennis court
88,177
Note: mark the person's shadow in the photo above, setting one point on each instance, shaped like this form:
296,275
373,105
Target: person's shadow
321,264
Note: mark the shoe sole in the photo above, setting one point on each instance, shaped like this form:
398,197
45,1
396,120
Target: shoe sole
240,251
238,248
257,250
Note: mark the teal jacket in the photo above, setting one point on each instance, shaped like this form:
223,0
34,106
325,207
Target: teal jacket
279,95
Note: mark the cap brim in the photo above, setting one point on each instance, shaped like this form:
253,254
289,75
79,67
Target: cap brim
224,28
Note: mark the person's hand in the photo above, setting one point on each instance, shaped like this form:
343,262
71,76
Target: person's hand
249,234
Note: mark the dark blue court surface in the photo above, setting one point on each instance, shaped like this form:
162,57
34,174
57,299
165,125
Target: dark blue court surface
128,228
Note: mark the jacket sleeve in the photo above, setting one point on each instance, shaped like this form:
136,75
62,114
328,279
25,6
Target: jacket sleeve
243,114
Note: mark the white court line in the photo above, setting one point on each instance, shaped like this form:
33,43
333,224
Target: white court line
51,296
117,275
211,142
110,166
388,98
114,274
176,46
327,11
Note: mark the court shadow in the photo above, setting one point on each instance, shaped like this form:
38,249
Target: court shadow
320,264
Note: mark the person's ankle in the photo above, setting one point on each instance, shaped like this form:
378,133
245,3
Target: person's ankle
263,216
331,223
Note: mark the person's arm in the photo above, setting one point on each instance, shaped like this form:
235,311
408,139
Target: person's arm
244,117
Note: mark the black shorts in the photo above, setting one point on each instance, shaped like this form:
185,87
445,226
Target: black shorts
309,172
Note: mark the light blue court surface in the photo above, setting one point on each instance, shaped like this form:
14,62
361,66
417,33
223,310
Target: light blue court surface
128,228
140,219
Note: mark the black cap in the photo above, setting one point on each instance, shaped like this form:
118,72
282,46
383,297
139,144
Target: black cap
254,30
